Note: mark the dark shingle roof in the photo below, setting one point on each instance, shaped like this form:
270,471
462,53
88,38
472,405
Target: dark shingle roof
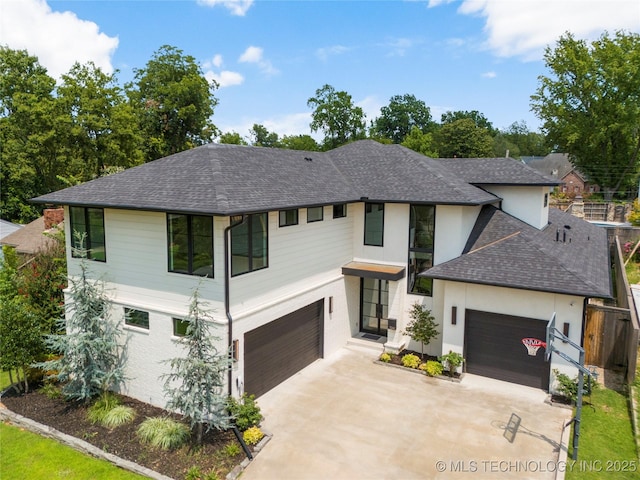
504,251
231,179
496,171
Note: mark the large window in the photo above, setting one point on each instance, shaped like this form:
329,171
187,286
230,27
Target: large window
190,242
373,224
87,230
249,244
421,233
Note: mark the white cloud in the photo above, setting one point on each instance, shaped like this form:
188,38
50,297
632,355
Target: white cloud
255,55
400,46
224,78
489,75
58,39
236,7
371,106
217,61
525,27
325,52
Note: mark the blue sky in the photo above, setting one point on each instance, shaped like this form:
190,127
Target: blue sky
270,56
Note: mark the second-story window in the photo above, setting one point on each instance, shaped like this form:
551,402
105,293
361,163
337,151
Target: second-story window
374,224
421,239
190,243
249,244
340,210
288,217
87,233
315,214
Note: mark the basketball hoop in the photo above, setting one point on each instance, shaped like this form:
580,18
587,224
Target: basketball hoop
533,344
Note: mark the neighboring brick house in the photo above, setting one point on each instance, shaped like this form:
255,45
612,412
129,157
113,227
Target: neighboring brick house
557,165
300,253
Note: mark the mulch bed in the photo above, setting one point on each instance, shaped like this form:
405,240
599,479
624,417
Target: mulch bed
396,359
71,418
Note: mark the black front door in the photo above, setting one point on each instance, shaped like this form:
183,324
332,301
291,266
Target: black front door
374,305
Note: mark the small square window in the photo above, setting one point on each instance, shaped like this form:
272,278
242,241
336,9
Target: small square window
136,318
340,211
180,327
315,214
288,217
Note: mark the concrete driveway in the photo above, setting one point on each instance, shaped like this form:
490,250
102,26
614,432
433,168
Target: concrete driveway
345,417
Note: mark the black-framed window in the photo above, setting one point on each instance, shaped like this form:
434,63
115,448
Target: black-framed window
288,217
190,244
422,223
136,318
87,230
374,224
340,211
250,244
315,214
180,327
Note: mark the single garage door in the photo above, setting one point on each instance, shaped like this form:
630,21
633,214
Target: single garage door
279,349
493,348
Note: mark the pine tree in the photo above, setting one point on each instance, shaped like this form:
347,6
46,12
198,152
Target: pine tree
195,386
91,361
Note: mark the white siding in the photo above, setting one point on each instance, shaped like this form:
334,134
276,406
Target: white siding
453,226
525,203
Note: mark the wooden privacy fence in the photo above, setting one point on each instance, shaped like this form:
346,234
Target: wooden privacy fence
606,332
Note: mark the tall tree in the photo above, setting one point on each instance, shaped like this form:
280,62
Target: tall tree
31,127
478,119
335,114
300,142
528,143
464,139
261,137
91,355
175,103
420,142
232,138
590,106
104,131
397,119
195,385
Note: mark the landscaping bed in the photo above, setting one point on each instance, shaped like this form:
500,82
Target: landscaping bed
396,360
220,451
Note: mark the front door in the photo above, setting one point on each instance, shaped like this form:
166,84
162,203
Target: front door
374,306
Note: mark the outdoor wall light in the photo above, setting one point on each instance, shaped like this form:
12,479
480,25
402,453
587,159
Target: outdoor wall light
454,315
331,304
565,330
235,350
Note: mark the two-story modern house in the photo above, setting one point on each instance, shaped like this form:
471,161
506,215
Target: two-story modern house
298,252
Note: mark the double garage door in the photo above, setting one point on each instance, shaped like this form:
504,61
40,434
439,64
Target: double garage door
494,348
279,349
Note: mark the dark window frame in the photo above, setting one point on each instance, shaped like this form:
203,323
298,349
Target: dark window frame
381,242
250,247
178,325
287,222
319,209
90,242
130,313
342,212
191,253
412,272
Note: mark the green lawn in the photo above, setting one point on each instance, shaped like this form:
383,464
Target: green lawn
633,272
26,455
607,447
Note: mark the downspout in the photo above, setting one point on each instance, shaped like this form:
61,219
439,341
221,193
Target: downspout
227,309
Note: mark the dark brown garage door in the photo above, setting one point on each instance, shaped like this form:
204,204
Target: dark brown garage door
277,350
493,348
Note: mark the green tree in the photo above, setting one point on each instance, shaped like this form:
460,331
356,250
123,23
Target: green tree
420,142
464,139
232,138
91,361
590,106
478,119
31,127
195,385
261,137
20,331
300,142
422,327
174,102
103,131
400,117
528,143
335,114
